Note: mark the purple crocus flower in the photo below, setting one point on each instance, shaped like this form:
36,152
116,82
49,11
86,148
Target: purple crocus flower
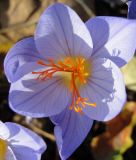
132,9
70,72
19,143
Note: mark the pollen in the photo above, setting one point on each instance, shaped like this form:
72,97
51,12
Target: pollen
75,72
3,149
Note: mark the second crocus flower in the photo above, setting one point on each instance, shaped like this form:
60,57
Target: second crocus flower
19,143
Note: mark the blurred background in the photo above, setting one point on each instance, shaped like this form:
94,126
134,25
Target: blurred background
113,140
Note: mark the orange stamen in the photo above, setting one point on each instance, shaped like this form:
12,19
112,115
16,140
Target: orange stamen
76,67
3,149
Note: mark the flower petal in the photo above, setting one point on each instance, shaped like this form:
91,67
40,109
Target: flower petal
38,98
16,61
113,38
128,3
70,131
106,88
10,154
132,9
61,32
21,137
4,132
23,153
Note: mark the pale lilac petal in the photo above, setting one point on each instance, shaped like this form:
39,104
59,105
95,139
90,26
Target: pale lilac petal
4,132
25,69
128,3
70,131
21,137
61,32
105,88
16,63
38,98
25,153
10,154
132,9
113,38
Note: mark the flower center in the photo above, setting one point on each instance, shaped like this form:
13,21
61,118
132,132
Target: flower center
75,71
3,149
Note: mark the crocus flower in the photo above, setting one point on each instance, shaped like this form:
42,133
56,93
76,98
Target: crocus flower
19,143
70,72
132,9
